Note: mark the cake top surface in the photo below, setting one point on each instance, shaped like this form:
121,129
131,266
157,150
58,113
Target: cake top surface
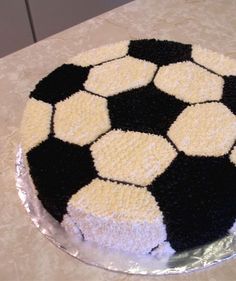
146,118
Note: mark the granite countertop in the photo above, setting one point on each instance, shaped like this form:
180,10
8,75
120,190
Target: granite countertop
24,253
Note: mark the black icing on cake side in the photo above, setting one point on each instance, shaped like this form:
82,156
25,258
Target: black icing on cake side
195,194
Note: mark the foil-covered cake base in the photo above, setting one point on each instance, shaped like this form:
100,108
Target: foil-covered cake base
92,254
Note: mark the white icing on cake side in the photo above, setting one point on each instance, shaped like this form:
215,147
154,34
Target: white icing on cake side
69,225
233,229
118,216
163,250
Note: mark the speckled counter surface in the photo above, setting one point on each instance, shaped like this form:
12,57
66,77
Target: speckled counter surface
24,253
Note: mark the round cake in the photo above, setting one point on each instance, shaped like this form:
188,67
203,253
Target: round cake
133,145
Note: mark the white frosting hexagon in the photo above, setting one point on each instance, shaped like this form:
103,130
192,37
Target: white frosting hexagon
214,61
101,54
119,75
204,130
37,114
132,157
81,118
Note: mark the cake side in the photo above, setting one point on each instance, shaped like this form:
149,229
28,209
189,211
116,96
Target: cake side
118,216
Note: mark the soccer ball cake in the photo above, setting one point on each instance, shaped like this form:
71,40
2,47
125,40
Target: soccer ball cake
133,145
